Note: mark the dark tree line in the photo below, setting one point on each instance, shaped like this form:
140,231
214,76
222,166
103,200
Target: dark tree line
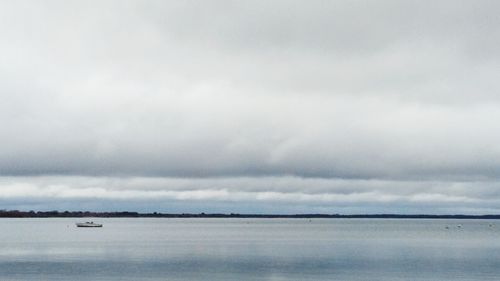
125,214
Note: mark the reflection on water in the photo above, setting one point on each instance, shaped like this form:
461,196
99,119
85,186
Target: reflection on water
249,249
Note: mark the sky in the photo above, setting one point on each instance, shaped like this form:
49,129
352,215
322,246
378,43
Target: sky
250,106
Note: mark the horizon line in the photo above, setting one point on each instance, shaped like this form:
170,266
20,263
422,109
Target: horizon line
132,214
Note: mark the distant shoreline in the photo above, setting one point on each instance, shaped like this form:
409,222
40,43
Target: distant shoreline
83,214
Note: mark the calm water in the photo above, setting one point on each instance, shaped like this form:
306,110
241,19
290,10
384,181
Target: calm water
249,249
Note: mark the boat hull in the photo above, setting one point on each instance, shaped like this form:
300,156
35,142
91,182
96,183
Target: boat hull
88,225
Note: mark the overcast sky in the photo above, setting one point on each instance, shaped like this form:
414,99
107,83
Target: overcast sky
250,106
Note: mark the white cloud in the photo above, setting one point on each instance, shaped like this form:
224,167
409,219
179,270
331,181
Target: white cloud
330,194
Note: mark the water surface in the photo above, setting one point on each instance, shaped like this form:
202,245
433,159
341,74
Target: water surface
249,249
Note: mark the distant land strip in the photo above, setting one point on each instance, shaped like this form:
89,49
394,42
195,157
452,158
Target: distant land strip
82,214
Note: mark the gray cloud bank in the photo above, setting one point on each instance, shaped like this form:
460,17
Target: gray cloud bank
250,194
392,105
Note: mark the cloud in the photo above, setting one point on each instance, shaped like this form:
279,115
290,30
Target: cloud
327,137
293,194
382,92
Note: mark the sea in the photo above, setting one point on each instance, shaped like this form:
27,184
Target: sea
249,249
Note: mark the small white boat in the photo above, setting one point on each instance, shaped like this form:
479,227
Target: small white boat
88,224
